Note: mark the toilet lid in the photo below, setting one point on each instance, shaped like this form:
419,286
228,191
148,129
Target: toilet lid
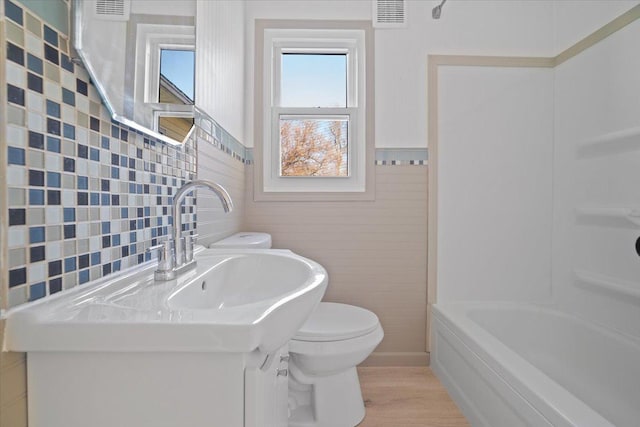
334,322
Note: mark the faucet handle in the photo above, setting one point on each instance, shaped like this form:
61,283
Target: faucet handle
189,244
165,255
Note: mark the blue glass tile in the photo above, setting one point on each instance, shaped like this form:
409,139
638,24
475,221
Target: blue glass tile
154,233
132,163
53,109
69,231
94,154
36,178
37,291
53,144
17,217
115,240
133,237
83,276
37,253
147,211
69,164
139,188
15,53
140,224
53,197
153,179
66,63
117,265
51,36
106,227
83,261
82,87
34,64
132,188
133,249
55,268
15,95
95,258
124,213
68,97
36,140
115,172
53,179
123,161
36,234
94,199
55,285
16,156
106,269
147,256
83,183
69,131
69,214
34,82
83,151
69,264
83,199
106,242
13,12
105,142
53,126
94,123
51,54
115,131
36,197
105,200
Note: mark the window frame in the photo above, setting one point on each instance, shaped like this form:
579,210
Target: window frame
275,38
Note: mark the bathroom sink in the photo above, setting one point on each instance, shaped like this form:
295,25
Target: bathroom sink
233,301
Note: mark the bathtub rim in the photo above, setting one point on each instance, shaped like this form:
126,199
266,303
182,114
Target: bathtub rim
554,402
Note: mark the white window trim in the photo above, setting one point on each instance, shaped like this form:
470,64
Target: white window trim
350,39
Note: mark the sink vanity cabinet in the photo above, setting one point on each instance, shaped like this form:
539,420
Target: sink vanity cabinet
156,389
206,349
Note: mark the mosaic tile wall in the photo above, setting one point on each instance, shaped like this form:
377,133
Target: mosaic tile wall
86,195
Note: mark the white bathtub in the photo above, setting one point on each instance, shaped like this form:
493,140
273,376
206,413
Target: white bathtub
524,365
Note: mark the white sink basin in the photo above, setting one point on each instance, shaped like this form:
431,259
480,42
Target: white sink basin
234,301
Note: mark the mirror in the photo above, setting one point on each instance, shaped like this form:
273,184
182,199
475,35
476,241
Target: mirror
140,55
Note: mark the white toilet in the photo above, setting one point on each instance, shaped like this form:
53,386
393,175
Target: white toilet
324,390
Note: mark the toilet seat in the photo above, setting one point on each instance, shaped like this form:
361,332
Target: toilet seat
337,322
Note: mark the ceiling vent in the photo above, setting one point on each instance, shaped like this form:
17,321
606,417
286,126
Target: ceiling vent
389,13
112,10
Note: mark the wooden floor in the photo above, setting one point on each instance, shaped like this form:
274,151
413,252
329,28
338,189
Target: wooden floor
398,397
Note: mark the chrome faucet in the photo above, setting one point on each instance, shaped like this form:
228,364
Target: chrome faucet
171,263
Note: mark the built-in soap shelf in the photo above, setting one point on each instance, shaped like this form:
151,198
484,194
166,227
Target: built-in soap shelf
631,215
610,143
607,285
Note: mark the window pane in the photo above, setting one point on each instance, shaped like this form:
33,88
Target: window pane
314,146
177,76
313,80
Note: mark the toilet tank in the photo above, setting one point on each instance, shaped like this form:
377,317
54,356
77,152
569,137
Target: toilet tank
244,240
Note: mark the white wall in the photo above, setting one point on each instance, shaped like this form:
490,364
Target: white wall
494,183
576,19
597,95
466,27
220,63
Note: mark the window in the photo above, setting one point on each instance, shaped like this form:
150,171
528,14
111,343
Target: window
314,111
